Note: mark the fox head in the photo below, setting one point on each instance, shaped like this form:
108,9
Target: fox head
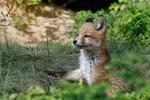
91,35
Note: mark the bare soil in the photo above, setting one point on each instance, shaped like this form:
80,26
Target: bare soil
48,23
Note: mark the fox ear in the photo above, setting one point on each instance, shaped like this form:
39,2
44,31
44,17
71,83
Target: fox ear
89,20
101,24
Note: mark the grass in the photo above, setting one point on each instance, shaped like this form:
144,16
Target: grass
21,67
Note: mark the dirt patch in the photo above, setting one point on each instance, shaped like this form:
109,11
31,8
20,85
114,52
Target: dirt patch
48,23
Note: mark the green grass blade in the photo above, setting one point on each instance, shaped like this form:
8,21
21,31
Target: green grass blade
6,79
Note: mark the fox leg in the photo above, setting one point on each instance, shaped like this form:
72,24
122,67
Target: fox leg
74,75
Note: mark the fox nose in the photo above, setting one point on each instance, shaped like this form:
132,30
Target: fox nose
74,41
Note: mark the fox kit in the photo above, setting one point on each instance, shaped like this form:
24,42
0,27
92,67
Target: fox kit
91,41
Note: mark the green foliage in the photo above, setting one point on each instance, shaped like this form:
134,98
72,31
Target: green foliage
68,91
143,94
29,2
135,70
134,67
128,22
75,91
20,21
35,2
134,22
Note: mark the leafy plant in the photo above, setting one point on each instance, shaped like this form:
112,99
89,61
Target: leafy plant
28,2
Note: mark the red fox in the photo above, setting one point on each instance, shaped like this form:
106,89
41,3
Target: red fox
91,41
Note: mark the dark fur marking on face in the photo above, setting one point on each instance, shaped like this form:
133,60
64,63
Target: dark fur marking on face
89,20
100,27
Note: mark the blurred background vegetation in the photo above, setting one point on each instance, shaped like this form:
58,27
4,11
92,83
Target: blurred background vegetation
22,64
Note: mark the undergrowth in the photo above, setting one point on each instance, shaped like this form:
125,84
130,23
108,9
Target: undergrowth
22,67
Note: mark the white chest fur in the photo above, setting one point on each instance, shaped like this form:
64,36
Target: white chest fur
87,61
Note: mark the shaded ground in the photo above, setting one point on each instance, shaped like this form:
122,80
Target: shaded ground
77,5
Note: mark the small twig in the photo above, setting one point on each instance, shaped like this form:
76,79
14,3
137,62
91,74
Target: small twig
47,43
33,69
138,22
4,27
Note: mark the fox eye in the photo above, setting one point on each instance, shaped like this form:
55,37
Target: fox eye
86,36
